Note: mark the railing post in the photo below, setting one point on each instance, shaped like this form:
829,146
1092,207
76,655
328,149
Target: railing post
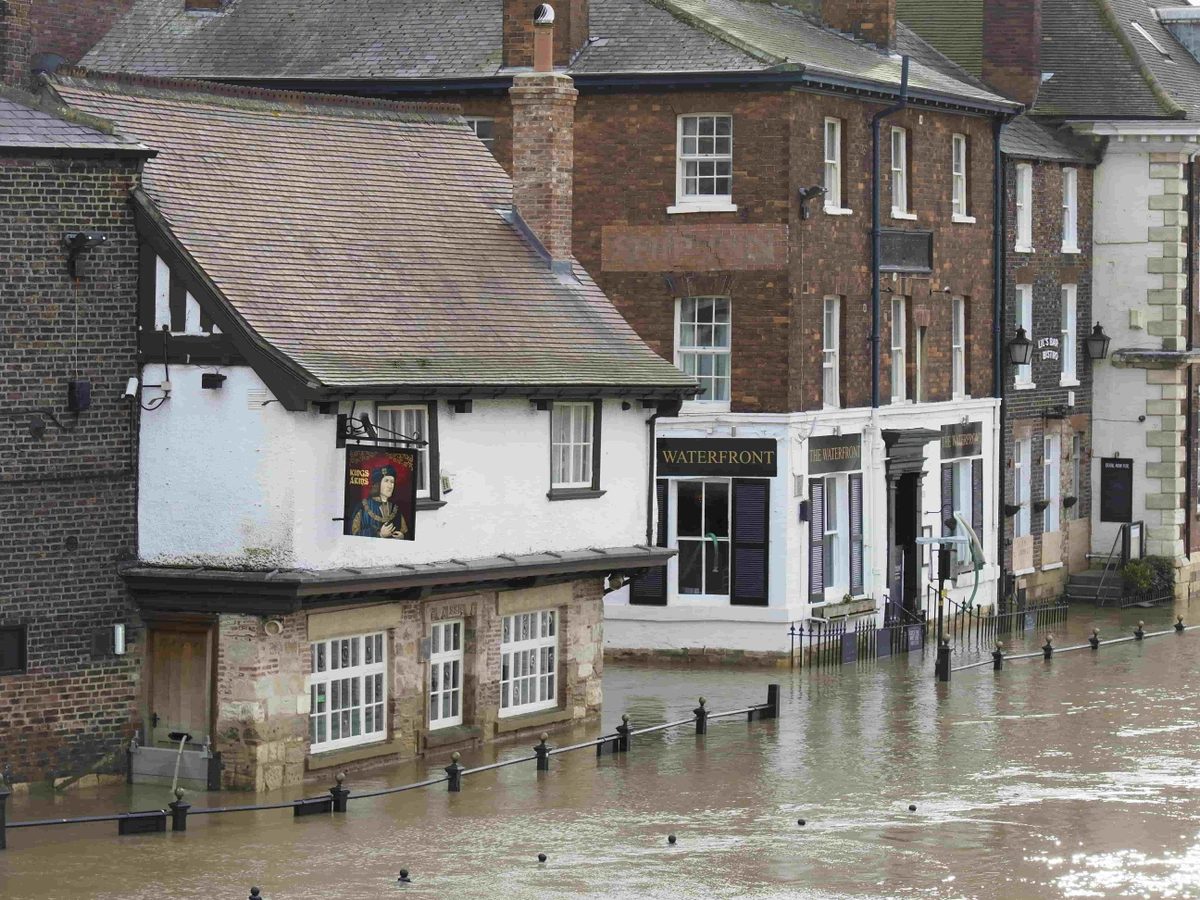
998,657
179,811
623,731
543,754
5,793
1179,623
1048,647
1094,640
1138,633
340,793
701,717
454,770
772,710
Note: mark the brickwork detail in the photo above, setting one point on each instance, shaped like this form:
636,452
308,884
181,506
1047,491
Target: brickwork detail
543,157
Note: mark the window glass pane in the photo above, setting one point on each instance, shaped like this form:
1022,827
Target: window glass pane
716,508
716,567
690,514
691,567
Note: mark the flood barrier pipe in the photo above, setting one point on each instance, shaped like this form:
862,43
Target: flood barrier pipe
1087,646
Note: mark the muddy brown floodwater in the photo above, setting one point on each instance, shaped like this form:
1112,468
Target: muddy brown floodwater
1074,778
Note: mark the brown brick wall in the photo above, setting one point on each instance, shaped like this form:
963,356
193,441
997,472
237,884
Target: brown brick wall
69,497
872,20
1012,47
68,28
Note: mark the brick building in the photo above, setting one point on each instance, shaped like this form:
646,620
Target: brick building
697,125
70,645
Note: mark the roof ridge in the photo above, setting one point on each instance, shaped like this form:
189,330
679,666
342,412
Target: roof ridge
220,93
1169,104
700,24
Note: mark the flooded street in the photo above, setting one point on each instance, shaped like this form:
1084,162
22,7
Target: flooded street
1074,778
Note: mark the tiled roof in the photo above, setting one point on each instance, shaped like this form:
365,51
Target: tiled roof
1098,65
1027,139
363,240
25,125
445,39
953,26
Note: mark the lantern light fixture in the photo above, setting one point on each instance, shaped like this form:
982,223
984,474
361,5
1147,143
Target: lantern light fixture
1097,343
1020,349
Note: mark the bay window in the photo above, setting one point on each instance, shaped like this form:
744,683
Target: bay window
348,692
529,662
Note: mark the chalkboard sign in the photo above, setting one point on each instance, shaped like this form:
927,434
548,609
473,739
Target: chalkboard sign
1116,490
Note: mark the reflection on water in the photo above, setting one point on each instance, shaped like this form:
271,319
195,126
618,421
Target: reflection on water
1074,778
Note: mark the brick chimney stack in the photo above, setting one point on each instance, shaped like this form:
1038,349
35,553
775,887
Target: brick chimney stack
570,31
16,41
1012,47
543,105
873,21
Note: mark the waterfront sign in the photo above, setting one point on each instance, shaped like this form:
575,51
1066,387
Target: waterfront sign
834,453
734,458
962,440
1116,489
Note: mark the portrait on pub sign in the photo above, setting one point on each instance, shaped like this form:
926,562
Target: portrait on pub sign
381,493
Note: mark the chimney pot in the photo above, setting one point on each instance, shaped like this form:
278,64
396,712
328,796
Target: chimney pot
543,38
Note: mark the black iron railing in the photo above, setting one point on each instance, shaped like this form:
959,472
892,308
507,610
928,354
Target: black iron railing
826,644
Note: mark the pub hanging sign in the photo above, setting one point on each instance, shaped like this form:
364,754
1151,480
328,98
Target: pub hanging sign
962,440
381,492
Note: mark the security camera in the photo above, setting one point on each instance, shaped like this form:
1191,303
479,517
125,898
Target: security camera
131,388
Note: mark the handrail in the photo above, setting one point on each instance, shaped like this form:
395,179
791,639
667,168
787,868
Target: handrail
1040,653
1104,576
114,817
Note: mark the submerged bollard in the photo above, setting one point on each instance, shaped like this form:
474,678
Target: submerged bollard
454,770
1179,623
772,710
404,879
1138,634
1048,647
998,657
179,811
255,894
339,793
1094,640
623,731
701,717
543,754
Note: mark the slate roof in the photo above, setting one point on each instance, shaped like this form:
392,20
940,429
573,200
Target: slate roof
362,239
953,26
25,126
452,39
1103,68
1026,139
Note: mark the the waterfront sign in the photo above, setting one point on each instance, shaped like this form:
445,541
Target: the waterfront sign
734,458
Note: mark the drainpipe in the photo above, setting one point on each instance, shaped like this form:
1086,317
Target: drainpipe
998,361
876,232
651,481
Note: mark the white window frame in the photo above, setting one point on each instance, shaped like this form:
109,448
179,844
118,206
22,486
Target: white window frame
1070,210
1023,375
899,144
690,358
703,539
837,537
962,500
410,420
899,351
688,203
1069,328
573,456
446,663
1022,450
530,662
832,148
473,123
959,176
361,678
1024,196
1051,483
831,330
958,348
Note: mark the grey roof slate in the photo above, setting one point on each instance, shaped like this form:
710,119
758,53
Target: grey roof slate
446,39
25,125
363,240
1026,139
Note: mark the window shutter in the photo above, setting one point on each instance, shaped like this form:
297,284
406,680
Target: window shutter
947,498
856,535
651,588
977,498
751,530
816,541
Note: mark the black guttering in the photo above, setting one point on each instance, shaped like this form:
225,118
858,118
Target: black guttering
999,262
793,76
99,152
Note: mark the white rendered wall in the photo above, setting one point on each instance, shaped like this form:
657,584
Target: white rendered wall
225,484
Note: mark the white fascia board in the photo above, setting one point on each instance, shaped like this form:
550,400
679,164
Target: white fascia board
1149,128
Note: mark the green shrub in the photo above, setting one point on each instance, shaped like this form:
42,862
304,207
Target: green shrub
1151,573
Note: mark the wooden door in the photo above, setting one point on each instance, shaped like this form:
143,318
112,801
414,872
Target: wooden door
179,690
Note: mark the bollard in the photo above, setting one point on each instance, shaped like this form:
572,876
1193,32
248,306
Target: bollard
1138,634
1179,623
454,770
1094,640
701,717
623,731
998,656
340,793
543,754
404,879
1048,647
5,793
179,811
255,894
772,710
942,665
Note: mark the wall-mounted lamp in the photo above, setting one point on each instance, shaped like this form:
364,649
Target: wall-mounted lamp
806,194
76,243
1097,343
1020,349
131,388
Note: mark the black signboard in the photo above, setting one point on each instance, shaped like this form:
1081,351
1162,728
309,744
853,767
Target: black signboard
1116,490
834,453
962,440
381,493
733,457
902,250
